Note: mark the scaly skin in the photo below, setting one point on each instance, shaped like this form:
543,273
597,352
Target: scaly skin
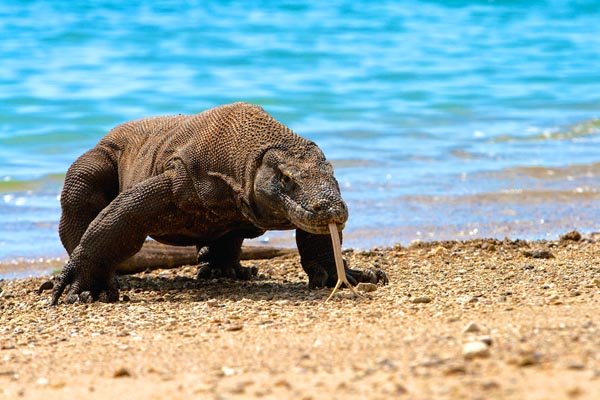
209,180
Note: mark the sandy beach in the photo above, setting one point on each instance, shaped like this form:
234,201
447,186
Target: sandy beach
482,319
449,125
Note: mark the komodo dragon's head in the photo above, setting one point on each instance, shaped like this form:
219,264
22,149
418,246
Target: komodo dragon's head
299,189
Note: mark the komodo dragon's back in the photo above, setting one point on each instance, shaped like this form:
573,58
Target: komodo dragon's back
223,139
136,146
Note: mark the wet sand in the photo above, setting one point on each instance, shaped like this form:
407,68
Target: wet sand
460,320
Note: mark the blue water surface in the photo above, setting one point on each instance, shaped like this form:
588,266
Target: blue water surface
444,119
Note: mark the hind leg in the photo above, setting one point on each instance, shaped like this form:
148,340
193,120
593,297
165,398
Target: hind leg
92,182
221,259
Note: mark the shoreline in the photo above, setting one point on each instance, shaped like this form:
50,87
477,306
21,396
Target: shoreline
23,267
527,309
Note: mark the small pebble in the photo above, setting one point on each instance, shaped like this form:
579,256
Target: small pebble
455,369
475,349
58,384
238,387
366,287
439,250
472,327
282,383
575,365
42,381
554,299
234,328
573,236
212,303
228,371
527,358
574,392
540,253
466,299
421,300
490,385
485,339
122,373
488,246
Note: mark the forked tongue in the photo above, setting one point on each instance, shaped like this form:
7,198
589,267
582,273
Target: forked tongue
339,262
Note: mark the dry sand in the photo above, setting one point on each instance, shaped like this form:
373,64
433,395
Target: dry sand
481,319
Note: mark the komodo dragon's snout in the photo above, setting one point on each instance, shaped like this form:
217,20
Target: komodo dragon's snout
298,189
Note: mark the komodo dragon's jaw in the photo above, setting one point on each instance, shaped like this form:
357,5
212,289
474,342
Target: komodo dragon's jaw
317,221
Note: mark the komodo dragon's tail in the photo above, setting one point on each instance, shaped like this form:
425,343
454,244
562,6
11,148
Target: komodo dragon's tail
156,255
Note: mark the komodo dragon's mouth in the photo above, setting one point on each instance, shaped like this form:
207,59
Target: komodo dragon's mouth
315,222
316,229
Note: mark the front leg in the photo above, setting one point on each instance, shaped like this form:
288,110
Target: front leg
116,234
221,259
317,259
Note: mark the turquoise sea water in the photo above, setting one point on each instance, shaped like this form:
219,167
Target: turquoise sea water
444,119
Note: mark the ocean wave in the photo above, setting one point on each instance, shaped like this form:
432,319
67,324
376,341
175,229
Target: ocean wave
8,184
581,129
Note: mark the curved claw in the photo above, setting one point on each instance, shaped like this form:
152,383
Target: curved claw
112,294
369,275
64,279
47,285
317,279
351,279
380,276
321,278
81,291
209,271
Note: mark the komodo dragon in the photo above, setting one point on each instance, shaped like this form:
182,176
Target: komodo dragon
210,180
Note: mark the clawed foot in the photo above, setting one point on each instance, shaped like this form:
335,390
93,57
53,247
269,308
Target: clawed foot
369,275
320,278
208,271
83,288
